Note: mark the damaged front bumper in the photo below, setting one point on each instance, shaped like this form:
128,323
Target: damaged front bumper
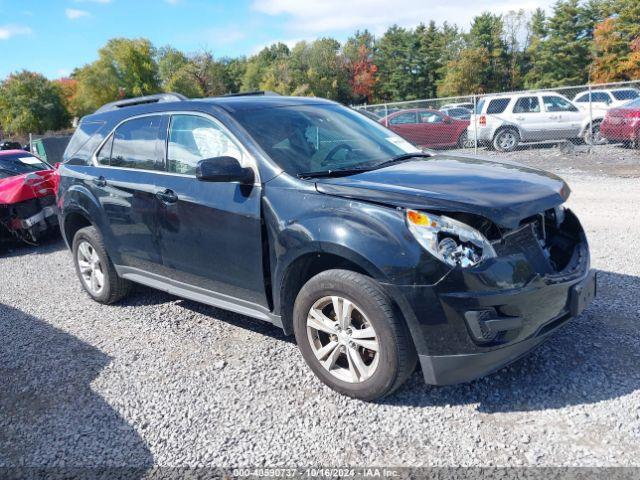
475,321
31,220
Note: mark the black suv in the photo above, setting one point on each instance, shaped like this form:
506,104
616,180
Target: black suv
308,215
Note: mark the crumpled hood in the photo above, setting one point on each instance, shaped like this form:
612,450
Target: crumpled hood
503,192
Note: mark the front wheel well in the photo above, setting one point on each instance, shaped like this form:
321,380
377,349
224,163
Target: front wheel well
300,272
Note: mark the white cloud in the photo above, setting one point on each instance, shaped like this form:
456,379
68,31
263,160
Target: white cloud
74,14
172,2
216,36
377,15
8,31
93,1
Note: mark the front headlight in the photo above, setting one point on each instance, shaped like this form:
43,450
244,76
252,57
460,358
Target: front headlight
449,240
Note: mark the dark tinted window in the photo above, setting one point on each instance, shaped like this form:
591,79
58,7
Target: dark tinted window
403,118
499,105
625,94
135,142
527,105
600,97
83,142
19,163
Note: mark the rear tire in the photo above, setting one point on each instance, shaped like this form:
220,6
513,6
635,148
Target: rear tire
373,331
94,268
506,140
592,135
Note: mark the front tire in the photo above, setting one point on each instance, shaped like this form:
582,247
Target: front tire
351,336
463,140
506,140
94,268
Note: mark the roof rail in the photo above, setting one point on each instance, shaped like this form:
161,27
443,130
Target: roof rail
251,94
132,102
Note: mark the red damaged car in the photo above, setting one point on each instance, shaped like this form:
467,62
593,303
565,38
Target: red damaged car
622,124
428,128
27,196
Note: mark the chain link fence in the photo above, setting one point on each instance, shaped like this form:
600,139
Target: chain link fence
601,119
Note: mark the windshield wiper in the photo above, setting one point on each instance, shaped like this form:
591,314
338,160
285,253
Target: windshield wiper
353,171
332,173
402,157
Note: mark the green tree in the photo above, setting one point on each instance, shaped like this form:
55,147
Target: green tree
256,67
31,103
563,55
125,68
482,65
396,56
170,62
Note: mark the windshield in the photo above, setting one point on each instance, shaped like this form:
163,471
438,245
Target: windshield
318,138
19,163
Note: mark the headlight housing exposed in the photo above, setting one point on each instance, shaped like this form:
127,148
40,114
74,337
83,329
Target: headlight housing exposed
449,240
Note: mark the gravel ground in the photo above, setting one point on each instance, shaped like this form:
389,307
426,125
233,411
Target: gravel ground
158,380
567,159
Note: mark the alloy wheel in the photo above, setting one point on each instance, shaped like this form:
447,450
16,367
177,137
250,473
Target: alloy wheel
507,140
90,268
342,339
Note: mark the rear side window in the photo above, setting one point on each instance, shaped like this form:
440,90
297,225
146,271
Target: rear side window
430,117
625,94
404,118
135,144
527,105
83,142
499,105
479,106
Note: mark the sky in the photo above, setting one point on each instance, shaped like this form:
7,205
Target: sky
55,36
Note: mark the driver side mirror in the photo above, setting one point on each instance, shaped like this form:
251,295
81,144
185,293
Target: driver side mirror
448,119
223,169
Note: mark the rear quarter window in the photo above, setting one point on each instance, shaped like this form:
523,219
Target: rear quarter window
83,142
498,105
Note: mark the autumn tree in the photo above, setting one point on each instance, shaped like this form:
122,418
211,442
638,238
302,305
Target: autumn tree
617,44
30,103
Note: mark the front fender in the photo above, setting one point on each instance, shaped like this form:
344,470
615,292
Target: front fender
374,237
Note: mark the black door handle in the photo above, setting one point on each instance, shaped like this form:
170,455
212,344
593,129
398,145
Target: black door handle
167,196
100,181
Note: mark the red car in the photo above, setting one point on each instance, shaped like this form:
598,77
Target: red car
622,124
428,128
27,196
